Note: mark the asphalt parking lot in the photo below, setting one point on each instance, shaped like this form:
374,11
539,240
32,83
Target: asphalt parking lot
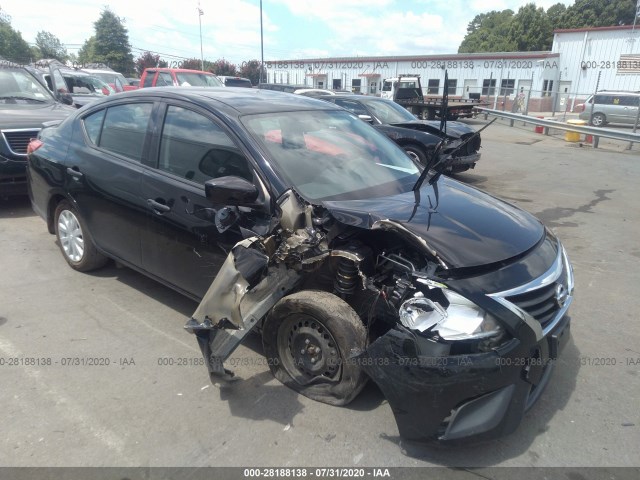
153,404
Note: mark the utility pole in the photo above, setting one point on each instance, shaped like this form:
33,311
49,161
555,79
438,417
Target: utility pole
261,45
200,13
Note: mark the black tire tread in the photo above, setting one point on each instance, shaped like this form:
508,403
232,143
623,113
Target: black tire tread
352,339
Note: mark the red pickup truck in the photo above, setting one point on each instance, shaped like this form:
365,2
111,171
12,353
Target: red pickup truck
178,77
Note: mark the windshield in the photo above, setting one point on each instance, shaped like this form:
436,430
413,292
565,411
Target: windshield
238,82
86,85
389,112
330,154
112,78
20,86
192,79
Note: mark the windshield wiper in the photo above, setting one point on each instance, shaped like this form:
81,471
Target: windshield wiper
18,97
441,163
427,167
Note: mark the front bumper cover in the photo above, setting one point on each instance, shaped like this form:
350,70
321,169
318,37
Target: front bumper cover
460,397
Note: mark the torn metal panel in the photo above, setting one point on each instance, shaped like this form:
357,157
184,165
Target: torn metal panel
227,290
398,227
244,290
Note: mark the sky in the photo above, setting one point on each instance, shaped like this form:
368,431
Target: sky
293,29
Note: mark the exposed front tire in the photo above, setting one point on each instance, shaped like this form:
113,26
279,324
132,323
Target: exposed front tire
74,240
308,340
598,119
416,154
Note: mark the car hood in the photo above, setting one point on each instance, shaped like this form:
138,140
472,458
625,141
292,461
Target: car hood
454,129
31,115
464,226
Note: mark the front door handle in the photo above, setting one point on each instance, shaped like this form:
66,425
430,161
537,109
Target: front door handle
157,206
74,173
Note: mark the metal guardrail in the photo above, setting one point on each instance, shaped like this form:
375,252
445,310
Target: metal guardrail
595,132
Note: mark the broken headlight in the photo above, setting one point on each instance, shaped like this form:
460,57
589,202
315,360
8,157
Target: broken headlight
461,320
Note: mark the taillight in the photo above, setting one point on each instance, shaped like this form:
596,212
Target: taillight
34,144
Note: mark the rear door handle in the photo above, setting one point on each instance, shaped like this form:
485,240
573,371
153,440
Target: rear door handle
74,173
157,206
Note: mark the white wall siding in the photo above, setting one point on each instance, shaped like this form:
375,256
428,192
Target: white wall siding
585,54
459,67
568,73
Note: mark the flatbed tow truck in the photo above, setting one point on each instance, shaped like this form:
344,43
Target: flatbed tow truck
406,90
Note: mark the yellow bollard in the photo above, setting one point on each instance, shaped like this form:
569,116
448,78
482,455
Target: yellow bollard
570,136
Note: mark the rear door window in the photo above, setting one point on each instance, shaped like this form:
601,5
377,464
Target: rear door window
125,128
629,100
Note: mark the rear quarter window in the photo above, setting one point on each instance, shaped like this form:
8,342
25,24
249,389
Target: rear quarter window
93,126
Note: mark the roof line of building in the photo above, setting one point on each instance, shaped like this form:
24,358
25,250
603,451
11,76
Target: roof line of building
595,29
448,56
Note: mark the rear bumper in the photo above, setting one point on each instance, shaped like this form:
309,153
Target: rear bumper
461,397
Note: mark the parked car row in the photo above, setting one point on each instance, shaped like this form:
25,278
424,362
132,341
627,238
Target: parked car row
26,105
63,81
294,217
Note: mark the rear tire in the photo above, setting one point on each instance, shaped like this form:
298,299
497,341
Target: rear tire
598,119
308,340
74,240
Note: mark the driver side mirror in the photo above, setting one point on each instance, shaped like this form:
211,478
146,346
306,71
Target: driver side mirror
231,190
366,118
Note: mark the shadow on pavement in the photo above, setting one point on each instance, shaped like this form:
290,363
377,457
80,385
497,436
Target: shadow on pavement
16,207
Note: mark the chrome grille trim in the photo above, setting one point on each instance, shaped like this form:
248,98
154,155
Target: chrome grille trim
549,316
546,278
34,133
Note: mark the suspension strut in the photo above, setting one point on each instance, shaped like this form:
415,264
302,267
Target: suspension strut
346,277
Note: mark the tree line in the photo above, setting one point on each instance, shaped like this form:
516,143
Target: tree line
531,29
108,45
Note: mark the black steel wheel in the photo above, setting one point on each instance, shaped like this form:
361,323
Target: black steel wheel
308,340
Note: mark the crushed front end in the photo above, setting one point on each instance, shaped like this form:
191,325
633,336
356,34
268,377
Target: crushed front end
463,365
460,352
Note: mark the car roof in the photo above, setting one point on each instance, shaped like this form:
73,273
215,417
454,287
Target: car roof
178,70
234,101
618,92
353,96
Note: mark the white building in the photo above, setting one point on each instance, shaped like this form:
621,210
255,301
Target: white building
552,80
606,58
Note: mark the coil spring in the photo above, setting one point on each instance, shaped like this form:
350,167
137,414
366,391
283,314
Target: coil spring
346,277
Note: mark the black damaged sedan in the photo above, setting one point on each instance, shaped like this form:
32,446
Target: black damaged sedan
419,138
291,217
